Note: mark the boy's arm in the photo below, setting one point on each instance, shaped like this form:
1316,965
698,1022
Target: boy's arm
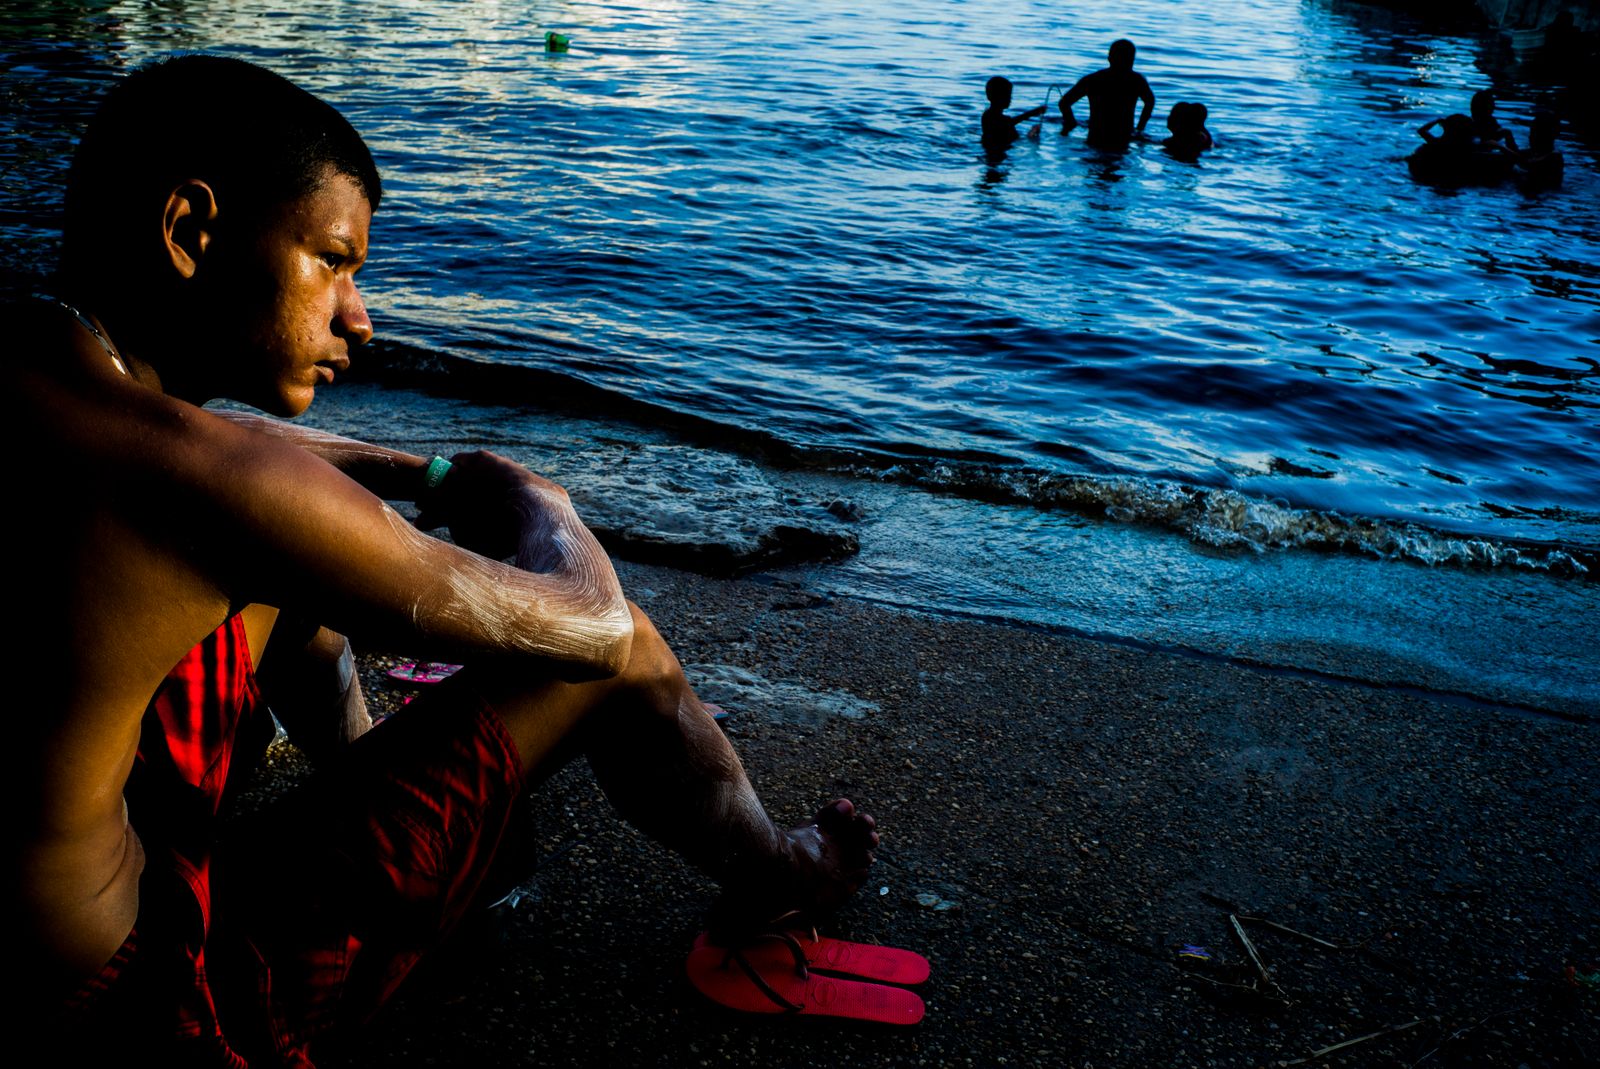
1031,113
484,500
1149,99
284,528
164,517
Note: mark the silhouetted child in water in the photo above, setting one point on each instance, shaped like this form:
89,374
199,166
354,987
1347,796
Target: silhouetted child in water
1486,129
1000,129
1540,166
1187,121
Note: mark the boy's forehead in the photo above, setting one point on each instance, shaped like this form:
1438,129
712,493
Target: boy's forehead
335,206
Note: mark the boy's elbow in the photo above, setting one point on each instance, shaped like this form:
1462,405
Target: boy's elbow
619,648
601,648
620,623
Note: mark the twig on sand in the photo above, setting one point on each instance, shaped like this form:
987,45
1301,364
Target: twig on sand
1255,958
1325,1051
1458,1033
1232,907
1275,926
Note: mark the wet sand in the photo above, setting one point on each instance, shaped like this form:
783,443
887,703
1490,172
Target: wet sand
1081,811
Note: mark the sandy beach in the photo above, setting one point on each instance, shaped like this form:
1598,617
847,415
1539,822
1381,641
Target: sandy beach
1061,817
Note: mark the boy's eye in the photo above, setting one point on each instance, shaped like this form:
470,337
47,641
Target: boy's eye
333,260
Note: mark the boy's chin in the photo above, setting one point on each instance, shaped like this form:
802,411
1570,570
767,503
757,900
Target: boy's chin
285,402
296,402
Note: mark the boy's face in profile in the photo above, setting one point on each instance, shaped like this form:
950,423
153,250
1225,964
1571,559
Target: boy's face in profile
1000,95
290,298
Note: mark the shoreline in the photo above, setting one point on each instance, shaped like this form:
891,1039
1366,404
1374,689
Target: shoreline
1504,636
1084,808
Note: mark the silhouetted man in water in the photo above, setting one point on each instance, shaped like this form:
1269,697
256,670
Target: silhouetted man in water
1112,92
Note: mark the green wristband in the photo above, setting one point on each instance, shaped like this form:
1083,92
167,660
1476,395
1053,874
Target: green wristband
438,468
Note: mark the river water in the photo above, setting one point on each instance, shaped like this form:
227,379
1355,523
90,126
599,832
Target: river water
738,270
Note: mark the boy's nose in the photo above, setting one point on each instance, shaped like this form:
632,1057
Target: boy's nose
350,320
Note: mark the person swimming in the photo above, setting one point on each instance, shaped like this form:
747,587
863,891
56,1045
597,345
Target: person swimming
1486,129
1189,136
1540,166
1454,156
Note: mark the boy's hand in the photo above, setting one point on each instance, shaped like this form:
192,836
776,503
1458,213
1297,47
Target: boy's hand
491,504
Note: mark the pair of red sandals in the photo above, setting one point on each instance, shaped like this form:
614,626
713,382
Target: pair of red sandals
796,971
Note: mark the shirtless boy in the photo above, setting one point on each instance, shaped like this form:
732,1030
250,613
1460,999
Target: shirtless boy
216,219
1112,93
1000,129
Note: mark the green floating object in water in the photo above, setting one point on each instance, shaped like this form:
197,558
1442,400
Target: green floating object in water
556,42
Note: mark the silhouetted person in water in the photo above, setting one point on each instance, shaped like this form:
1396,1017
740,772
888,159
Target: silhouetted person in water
1540,166
1000,129
1455,157
1446,153
1187,121
1486,129
1112,92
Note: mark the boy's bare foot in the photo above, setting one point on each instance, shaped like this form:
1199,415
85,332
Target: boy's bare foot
833,853
821,865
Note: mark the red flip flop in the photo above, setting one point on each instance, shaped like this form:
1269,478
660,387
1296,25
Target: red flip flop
731,978
866,961
423,672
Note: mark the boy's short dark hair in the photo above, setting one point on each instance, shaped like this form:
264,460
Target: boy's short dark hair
997,87
258,139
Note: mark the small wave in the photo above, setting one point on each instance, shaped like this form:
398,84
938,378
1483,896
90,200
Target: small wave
1218,517
1227,519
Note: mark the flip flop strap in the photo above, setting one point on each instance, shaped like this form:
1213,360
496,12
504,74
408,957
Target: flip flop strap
736,956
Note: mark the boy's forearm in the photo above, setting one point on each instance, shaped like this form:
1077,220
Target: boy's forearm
570,608
555,542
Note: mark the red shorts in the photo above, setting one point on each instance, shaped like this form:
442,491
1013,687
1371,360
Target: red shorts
320,905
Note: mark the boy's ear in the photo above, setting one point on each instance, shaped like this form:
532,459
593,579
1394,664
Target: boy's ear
188,223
